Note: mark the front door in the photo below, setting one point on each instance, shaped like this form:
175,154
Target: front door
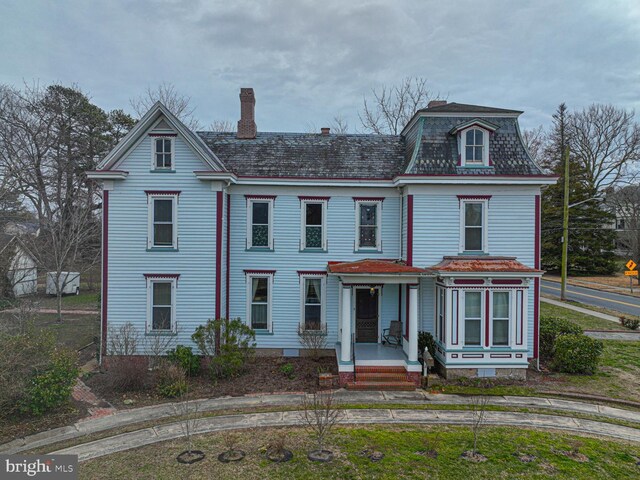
366,315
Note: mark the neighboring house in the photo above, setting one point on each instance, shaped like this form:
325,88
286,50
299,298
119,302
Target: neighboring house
19,265
438,227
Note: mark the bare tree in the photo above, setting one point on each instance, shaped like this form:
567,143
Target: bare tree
605,140
393,106
187,411
625,204
534,140
223,126
479,408
168,95
339,125
320,413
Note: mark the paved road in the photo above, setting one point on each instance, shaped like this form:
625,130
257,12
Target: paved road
597,298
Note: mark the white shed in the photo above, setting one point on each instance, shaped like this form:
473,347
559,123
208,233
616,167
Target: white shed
22,271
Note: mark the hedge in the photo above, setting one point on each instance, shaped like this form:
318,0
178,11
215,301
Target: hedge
577,354
550,329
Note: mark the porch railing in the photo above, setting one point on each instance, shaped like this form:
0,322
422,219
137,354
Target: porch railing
353,354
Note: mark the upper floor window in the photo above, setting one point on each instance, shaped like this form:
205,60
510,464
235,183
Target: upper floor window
473,235
163,153
475,147
259,226
368,225
163,225
314,234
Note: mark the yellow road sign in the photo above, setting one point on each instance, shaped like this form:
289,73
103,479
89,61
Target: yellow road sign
631,273
631,265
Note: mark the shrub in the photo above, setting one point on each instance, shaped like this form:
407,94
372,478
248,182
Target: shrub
185,359
127,373
52,388
630,323
313,339
237,346
550,329
287,370
171,381
577,354
425,339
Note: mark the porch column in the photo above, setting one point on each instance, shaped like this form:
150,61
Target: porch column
345,340
413,323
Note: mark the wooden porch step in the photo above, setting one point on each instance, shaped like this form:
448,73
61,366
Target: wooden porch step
391,385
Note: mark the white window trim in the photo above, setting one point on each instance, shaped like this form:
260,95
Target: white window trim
174,210
485,147
509,319
153,152
303,225
250,203
249,291
485,226
149,324
463,317
323,299
378,204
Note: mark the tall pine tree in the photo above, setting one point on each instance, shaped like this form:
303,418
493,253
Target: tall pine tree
591,238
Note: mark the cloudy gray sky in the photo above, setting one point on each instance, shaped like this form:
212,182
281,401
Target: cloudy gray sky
311,60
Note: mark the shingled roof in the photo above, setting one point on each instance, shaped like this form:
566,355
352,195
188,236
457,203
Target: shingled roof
466,108
309,155
438,148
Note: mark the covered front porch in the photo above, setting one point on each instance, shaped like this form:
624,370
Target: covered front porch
362,331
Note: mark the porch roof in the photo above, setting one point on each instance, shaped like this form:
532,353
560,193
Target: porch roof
373,267
482,264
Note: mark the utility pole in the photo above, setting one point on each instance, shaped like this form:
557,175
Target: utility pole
565,226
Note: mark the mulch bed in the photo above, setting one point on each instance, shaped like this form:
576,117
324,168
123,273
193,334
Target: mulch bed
263,375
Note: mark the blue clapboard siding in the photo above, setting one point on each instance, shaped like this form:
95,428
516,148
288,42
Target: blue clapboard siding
128,258
287,259
436,230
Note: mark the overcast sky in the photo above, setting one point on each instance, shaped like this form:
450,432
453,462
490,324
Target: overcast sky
311,60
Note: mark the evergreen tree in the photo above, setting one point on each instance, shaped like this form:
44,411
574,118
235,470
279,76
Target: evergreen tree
591,239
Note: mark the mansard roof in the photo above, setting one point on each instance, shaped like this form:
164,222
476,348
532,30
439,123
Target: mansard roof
309,155
466,108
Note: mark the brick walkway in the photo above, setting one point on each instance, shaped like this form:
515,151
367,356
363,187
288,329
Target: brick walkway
98,408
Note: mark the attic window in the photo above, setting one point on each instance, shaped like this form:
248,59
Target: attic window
163,153
475,147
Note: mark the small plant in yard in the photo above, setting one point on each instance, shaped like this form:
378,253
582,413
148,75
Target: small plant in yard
479,409
426,340
550,329
171,380
630,323
157,346
127,371
287,370
577,354
230,440
188,412
431,446
277,448
237,346
314,339
185,358
320,413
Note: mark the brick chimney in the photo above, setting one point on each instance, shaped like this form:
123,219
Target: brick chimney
436,103
247,124
325,130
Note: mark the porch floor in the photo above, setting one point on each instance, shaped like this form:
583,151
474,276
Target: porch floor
377,355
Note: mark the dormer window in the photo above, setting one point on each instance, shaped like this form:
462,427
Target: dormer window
163,153
474,146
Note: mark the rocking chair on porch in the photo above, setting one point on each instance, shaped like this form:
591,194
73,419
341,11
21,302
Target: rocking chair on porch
393,334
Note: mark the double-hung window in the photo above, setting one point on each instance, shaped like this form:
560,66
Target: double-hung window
259,304
474,146
163,153
473,233
163,225
472,318
500,321
161,293
313,293
313,225
259,226
368,225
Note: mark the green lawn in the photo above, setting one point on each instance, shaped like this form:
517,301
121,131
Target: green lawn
587,322
404,449
84,301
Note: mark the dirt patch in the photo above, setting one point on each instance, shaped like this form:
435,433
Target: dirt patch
474,457
263,375
18,426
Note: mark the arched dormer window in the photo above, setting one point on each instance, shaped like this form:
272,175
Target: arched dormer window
475,147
